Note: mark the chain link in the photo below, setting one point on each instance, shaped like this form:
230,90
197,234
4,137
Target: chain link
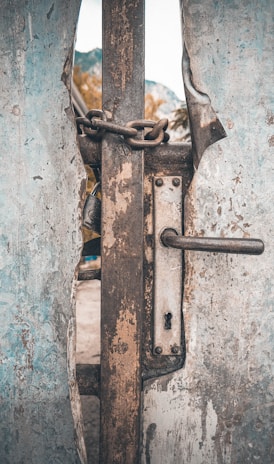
86,125
114,128
152,138
95,124
158,128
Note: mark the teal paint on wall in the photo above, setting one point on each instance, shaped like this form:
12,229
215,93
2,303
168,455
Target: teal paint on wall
40,241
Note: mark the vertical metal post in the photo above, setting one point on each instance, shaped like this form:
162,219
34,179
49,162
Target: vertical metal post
122,235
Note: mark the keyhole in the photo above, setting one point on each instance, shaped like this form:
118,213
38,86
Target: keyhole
168,317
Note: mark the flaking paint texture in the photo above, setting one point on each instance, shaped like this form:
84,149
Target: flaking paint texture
219,407
40,241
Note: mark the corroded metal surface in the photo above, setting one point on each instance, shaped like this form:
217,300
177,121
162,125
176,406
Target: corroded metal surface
205,125
88,379
172,159
168,265
245,246
90,150
219,408
41,179
166,160
122,235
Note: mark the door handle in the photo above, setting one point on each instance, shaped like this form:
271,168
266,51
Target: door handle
168,262
171,238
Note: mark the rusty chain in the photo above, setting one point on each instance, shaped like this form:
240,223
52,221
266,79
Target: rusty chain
96,123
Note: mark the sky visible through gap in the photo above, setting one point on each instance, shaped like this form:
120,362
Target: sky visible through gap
163,39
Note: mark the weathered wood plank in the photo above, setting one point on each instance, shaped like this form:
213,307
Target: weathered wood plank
122,235
41,177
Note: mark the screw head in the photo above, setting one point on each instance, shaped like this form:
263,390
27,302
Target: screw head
158,350
159,182
176,182
174,349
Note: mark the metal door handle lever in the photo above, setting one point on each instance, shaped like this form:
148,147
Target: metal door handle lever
170,238
167,315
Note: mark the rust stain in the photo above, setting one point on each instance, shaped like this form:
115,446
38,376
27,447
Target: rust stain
237,179
229,124
16,110
270,118
123,342
117,202
122,35
120,348
28,344
271,141
123,365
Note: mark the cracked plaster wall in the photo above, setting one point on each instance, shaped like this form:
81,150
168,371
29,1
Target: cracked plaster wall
40,190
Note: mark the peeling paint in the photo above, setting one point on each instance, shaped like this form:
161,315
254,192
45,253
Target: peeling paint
50,11
205,125
122,250
218,408
122,36
41,238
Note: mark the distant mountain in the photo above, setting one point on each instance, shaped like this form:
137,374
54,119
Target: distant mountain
91,62
160,91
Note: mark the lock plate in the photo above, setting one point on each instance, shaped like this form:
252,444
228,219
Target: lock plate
167,333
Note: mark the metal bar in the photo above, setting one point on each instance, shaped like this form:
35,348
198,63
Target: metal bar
175,156
78,101
171,239
122,235
88,379
169,159
89,274
90,150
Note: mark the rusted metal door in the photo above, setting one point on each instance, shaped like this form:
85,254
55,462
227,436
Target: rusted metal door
128,175
219,407
179,417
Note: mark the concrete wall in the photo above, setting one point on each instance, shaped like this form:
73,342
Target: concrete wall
219,408
41,176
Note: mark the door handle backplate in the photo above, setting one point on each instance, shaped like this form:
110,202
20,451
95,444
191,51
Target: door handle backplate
167,326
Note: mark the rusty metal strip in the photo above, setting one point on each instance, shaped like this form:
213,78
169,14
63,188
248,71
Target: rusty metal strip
166,160
122,235
206,128
88,379
90,150
167,320
89,274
